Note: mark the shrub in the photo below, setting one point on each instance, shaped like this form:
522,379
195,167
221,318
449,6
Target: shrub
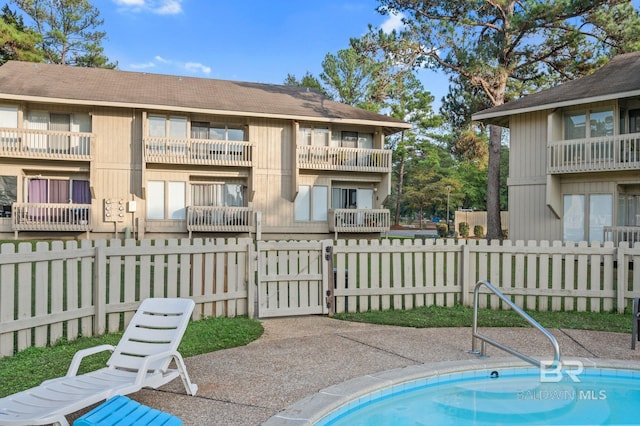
463,229
505,234
442,229
478,231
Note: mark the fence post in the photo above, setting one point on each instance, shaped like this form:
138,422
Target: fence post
465,275
621,285
252,268
99,289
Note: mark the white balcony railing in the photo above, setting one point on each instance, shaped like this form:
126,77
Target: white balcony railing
219,219
359,220
607,153
198,151
349,159
51,217
617,234
47,144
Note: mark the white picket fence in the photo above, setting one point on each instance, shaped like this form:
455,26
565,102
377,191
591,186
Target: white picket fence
50,291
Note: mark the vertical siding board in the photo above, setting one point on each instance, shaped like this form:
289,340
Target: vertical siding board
374,275
418,273
533,267
42,294
439,269
483,273
131,293
57,284
7,300
385,274
146,271
556,276
184,289
72,289
86,289
25,296
429,273
232,277
569,279
494,272
208,280
159,272
172,268
197,277
352,268
607,303
543,278
583,277
363,274
114,287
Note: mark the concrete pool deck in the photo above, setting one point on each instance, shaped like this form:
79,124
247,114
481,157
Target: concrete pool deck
299,356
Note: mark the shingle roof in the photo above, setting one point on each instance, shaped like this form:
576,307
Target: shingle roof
95,86
619,78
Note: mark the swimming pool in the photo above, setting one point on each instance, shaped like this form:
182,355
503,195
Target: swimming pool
465,393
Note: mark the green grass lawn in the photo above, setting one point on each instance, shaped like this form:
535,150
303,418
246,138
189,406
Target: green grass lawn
460,316
30,367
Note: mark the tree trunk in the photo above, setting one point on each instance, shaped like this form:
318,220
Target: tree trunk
494,224
399,189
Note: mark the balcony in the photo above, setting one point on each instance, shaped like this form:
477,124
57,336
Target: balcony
46,144
359,220
602,154
219,219
345,159
205,152
51,217
617,234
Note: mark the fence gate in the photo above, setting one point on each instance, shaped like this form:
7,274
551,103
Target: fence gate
292,277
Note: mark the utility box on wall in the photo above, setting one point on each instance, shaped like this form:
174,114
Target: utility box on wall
113,210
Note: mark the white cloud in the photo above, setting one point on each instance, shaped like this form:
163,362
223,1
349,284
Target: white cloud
196,67
159,61
393,22
143,66
160,7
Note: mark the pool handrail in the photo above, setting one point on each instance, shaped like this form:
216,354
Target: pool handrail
519,311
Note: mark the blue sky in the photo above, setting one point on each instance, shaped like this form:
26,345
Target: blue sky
246,40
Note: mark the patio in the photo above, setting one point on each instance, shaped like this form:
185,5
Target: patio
298,356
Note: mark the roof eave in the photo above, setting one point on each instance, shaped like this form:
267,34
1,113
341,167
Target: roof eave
391,127
500,117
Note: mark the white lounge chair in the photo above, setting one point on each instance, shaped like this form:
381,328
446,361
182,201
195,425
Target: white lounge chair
141,359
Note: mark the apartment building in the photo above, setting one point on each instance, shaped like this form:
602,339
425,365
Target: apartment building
88,153
574,163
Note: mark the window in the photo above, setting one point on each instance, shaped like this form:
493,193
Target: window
352,140
311,203
8,194
217,194
313,136
600,208
226,133
8,116
166,200
600,124
628,210
62,191
160,126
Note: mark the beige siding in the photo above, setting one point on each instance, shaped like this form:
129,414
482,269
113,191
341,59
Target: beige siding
529,216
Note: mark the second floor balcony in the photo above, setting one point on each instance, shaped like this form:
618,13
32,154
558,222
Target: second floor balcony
602,154
347,159
205,152
46,144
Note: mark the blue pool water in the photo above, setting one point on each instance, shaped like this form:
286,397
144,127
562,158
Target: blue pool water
515,397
